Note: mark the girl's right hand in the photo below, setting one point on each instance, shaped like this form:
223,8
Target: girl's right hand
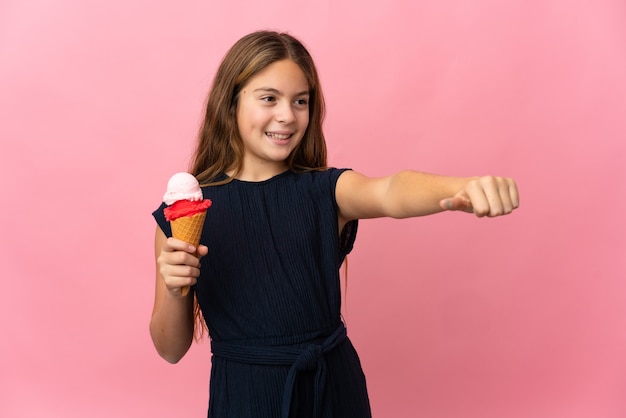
179,264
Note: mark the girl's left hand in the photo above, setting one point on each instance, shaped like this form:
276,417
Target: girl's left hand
485,196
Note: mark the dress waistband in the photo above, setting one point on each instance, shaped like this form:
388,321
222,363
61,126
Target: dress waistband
300,359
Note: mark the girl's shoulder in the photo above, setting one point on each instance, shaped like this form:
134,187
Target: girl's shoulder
331,173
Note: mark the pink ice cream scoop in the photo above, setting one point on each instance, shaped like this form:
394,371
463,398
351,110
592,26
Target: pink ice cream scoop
182,186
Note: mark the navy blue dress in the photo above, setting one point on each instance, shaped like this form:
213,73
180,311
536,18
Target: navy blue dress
269,292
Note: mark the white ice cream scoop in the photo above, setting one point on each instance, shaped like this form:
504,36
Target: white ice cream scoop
182,186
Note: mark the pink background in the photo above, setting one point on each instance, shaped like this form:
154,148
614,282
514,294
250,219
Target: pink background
453,316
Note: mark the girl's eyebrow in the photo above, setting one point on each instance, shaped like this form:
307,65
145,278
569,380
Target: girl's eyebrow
278,92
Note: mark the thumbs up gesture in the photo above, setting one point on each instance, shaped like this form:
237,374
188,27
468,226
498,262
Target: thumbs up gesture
485,196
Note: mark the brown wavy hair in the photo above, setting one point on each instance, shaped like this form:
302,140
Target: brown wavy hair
220,147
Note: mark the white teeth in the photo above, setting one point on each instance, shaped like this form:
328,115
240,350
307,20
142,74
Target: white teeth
277,136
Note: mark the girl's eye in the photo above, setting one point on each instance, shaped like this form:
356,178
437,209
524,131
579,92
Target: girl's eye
268,99
302,102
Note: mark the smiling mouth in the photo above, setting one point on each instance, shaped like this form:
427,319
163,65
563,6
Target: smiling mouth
279,137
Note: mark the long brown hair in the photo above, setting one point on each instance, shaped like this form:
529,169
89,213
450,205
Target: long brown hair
220,147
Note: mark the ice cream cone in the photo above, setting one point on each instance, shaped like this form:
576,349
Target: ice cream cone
186,210
188,229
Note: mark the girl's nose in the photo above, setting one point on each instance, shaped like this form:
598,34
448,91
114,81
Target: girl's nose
285,113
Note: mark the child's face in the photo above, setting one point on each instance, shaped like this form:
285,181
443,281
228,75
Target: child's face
273,115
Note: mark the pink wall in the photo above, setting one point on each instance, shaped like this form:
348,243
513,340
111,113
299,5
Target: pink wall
453,316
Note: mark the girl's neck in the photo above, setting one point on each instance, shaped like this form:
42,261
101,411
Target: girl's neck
258,173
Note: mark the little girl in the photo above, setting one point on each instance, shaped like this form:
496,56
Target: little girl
275,238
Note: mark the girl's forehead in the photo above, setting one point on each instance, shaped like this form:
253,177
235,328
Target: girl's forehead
280,75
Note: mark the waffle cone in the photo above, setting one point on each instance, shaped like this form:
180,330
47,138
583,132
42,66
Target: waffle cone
189,228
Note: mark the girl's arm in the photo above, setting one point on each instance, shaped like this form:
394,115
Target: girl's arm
172,322
411,193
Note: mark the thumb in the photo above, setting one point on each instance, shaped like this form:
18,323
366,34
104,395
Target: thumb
202,251
456,203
